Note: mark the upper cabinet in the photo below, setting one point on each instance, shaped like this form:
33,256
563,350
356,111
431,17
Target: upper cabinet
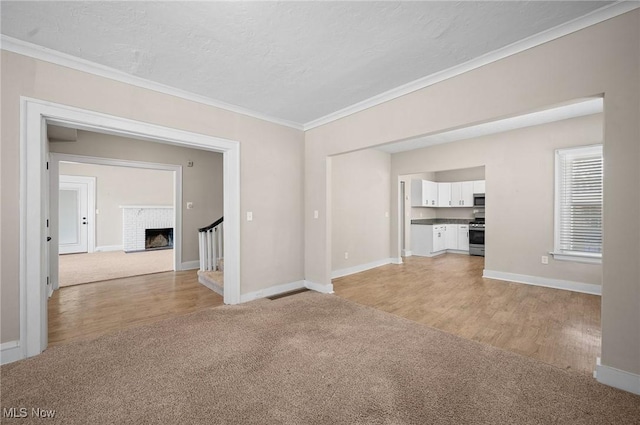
424,193
462,194
444,194
478,186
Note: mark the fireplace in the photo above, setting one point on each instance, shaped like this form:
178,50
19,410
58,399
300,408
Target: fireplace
158,238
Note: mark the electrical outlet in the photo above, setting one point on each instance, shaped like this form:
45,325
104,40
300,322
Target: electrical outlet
189,205
249,216
386,214
346,255
545,259
315,214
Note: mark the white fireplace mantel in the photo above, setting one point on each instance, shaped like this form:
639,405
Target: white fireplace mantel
137,218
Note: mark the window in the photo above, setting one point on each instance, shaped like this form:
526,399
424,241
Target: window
578,204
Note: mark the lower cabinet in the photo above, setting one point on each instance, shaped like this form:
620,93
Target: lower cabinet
422,240
428,240
463,237
439,242
451,236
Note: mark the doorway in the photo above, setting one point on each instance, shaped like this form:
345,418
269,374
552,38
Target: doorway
116,248
76,198
34,185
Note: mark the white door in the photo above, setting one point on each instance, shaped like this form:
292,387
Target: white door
72,215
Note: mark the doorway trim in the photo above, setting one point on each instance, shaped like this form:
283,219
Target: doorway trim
91,206
54,167
35,114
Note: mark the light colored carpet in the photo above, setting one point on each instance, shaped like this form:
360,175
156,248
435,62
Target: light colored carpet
304,359
84,268
212,280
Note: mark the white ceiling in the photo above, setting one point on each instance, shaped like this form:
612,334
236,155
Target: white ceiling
293,61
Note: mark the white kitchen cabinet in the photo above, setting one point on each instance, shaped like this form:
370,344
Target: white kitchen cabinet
429,240
424,193
479,186
463,237
466,197
456,194
439,243
421,240
462,194
444,194
451,236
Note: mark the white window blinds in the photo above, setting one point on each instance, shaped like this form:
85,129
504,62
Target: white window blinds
579,201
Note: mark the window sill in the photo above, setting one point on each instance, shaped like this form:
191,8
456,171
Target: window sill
577,257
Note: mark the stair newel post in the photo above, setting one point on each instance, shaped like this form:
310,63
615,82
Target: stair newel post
201,249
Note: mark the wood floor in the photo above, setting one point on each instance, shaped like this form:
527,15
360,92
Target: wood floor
448,292
93,309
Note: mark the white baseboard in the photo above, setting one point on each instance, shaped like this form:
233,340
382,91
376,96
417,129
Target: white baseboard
10,352
457,251
568,285
107,248
406,253
397,260
190,265
318,287
271,291
435,254
617,378
362,267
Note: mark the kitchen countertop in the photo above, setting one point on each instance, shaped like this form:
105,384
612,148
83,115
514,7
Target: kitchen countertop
432,221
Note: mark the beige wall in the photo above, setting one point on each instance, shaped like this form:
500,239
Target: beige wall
601,59
271,174
519,174
460,175
116,186
201,184
360,202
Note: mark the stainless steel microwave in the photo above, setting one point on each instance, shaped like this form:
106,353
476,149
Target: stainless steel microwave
478,200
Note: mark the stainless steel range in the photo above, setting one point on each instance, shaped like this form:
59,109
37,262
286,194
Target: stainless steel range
476,237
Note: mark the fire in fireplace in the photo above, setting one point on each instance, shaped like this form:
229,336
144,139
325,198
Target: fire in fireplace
158,238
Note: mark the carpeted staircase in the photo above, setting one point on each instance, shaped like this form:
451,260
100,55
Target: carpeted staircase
213,280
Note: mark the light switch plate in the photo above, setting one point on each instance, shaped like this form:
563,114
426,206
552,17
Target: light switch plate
249,216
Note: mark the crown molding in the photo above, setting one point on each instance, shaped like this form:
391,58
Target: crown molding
595,17
53,56
49,55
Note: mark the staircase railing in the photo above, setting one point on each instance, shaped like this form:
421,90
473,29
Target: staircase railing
211,246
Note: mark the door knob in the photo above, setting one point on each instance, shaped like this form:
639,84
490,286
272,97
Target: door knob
48,238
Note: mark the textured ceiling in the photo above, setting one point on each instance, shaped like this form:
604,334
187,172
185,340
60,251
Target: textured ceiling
296,61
